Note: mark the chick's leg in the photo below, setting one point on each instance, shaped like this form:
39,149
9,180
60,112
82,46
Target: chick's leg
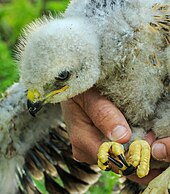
138,157
160,184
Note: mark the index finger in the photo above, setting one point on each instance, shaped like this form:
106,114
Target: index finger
105,116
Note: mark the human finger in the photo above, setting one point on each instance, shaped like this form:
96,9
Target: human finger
84,136
161,149
105,115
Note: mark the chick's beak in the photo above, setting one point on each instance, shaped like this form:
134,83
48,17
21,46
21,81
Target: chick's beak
35,102
33,108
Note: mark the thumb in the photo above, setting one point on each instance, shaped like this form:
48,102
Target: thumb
105,116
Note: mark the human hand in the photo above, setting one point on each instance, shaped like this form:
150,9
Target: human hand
91,119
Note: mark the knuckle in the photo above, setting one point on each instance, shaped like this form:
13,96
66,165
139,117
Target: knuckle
103,115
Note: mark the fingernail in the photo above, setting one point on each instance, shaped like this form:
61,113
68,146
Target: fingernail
159,151
118,133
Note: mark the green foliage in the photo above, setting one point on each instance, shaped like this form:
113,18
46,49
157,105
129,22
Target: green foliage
14,15
59,5
8,70
41,186
18,13
105,184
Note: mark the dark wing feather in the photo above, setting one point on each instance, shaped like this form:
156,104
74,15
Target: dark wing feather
42,146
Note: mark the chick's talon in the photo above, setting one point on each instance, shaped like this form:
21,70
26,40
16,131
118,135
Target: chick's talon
102,166
117,163
103,154
128,171
111,152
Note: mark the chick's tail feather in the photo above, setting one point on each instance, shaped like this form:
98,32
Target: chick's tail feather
52,160
130,187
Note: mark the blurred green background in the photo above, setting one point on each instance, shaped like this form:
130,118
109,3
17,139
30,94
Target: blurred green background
14,15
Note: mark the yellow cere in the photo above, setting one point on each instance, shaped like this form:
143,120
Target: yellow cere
32,95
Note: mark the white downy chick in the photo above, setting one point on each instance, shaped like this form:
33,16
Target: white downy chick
121,47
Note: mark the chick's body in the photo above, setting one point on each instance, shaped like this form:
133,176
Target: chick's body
135,67
120,46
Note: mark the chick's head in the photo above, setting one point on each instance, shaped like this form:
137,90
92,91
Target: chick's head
59,59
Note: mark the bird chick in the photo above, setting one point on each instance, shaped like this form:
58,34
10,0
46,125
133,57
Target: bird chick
121,47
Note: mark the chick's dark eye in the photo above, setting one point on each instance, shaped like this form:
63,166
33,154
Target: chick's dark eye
63,76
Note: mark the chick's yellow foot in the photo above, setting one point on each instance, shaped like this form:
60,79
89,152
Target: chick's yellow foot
112,152
138,157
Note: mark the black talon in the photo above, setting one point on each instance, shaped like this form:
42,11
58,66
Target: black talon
117,163
129,170
122,159
108,169
106,163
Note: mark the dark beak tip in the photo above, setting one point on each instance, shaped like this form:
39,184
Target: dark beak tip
31,113
33,108
29,104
